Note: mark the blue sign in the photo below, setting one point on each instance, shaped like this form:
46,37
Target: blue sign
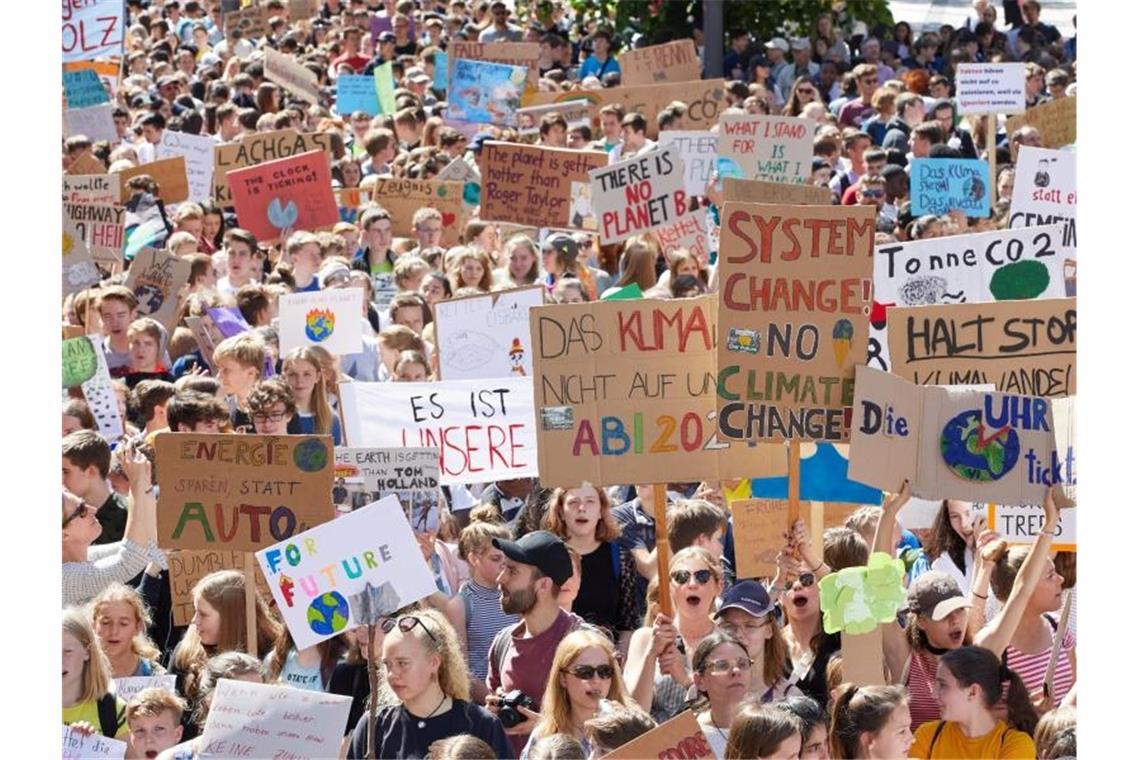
823,477
938,185
356,93
440,81
83,89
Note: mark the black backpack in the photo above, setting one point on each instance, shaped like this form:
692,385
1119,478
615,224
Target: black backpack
108,715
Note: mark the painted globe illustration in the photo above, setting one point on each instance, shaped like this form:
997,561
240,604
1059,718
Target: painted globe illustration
319,324
311,455
328,613
976,454
974,188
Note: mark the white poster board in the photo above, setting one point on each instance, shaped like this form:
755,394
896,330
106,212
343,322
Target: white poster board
331,319
990,87
1045,190
698,153
126,688
198,150
77,746
487,335
769,148
638,195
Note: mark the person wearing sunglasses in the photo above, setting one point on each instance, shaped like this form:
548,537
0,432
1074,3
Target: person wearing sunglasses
427,672
809,648
750,615
657,671
584,672
722,676
803,91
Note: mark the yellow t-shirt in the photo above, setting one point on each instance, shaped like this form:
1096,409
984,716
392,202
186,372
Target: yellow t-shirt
1002,743
89,711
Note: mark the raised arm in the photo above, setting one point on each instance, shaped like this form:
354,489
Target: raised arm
886,527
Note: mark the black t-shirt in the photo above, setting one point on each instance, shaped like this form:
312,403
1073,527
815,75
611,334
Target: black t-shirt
814,684
599,594
112,515
351,680
398,734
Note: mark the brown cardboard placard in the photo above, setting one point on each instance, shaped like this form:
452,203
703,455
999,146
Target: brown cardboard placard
511,53
156,278
795,295
242,492
284,70
85,164
624,392
253,20
299,10
1056,120
767,147
259,148
677,737
403,197
90,188
758,526
758,191
169,173
537,187
1023,347
188,566
101,225
674,61
863,658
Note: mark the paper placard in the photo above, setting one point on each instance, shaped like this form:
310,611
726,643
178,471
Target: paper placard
698,151
538,187
487,335
511,53
169,173
95,122
240,492
485,93
990,87
1055,120
107,71
758,527
575,112
285,71
939,185
79,270
156,278
638,195
127,688
90,188
259,148
677,737
92,29
1021,524
672,62
278,197
82,88
1045,190
404,197
409,474
756,191
768,148
77,746
100,395
355,92
101,226
79,362
330,319
198,152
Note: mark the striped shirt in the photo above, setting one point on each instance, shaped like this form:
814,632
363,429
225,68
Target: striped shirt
485,618
921,668
1032,667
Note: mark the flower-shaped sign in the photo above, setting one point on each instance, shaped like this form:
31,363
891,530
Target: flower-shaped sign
856,599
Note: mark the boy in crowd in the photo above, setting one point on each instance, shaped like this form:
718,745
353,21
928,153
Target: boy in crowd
696,522
86,465
118,308
243,261
240,361
155,718
193,412
271,407
149,398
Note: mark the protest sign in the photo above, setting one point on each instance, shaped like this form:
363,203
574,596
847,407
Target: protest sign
638,195
688,233
484,429
99,393
758,527
330,319
791,277
769,148
275,198
101,227
83,88
1022,523
441,70
672,62
990,87
538,187
253,20
624,393
485,93
403,197
349,200
755,191
80,746
954,443
156,278
198,152
1045,190
79,362
939,185
698,155
126,688
1023,347
1007,265
823,478
284,70
188,566
510,53
95,122
677,737
169,173
302,9
86,164
240,492
355,92
79,270
460,171
261,147
262,720
409,474
575,112
322,577
92,29
107,71
90,188
1055,120
486,335
385,88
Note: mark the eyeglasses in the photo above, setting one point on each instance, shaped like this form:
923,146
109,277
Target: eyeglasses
681,577
586,672
79,513
806,580
736,630
868,193
720,667
268,417
406,624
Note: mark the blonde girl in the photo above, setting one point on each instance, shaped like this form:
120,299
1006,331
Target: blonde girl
88,704
120,619
303,372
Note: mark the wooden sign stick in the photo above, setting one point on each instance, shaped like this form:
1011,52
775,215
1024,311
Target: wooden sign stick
991,152
793,489
664,602
251,605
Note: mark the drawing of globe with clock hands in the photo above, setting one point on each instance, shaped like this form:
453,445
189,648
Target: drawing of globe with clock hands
976,454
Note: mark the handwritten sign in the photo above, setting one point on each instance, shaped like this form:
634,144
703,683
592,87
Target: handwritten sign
990,87
355,92
538,187
638,195
95,122
484,429
92,29
101,227
83,88
79,362
198,152
330,319
756,191
240,492
78,746
689,233
156,278
79,270
169,173
1022,523
285,71
769,148
485,93
404,197
253,20
678,737
188,566
1045,190
511,53
90,188
672,62
259,148
939,185
758,526
575,112
1055,120
275,198
409,474
107,71
794,299
127,688
486,336
698,152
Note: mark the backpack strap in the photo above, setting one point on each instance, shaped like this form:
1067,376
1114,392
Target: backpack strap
1052,623
615,559
108,715
937,733
465,594
499,649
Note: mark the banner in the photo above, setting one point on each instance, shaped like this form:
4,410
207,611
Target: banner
188,566
769,148
100,225
404,197
261,147
95,122
240,492
411,475
82,88
1055,120
485,93
169,173
794,298
677,737
90,188
1022,523
638,195
156,278
624,393
355,92
330,319
1023,347
958,443
756,191
486,336
278,197
511,53
92,29
198,152
538,187
484,429
990,88
698,150
939,185
672,62
575,112
1045,190
758,527
285,71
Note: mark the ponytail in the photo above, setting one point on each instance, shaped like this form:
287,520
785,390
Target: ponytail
1020,712
840,742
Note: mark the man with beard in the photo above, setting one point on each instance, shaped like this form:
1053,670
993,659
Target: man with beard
520,657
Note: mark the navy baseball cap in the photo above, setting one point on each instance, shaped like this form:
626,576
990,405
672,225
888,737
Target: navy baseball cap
542,549
749,596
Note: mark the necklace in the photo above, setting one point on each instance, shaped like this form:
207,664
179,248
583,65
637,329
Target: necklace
422,722
714,725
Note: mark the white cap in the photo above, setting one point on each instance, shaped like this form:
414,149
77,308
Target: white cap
777,42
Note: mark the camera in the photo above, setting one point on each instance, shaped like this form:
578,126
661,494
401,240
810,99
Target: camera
508,708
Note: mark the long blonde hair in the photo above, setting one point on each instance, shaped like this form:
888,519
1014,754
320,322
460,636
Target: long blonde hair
141,644
319,400
454,679
557,715
97,669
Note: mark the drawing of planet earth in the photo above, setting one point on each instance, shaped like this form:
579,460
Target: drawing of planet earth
969,461
311,455
328,613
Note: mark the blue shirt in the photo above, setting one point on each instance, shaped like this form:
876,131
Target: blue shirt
592,68
306,424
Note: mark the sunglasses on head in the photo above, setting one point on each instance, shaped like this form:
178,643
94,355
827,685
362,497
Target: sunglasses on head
406,624
805,579
586,672
79,513
681,577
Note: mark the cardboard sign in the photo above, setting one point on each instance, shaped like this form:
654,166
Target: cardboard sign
795,292
758,526
325,578
259,720
957,444
575,112
990,87
79,270
83,88
240,492
638,195
404,197
538,187
624,392
85,163
688,233
157,277
486,336
92,29
100,225
755,191
302,9
95,122
275,198
78,746
253,20
484,429
485,93
511,53
939,185
107,71
169,173
1056,120
1022,523
284,71
99,393
769,148
1045,190
677,737
127,688
198,152
330,319
355,92
79,362
411,475
90,188
188,566
863,657
697,150
1007,265
672,62
259,148
1023,347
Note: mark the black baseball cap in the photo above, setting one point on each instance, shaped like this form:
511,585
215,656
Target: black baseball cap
749,596
541,549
